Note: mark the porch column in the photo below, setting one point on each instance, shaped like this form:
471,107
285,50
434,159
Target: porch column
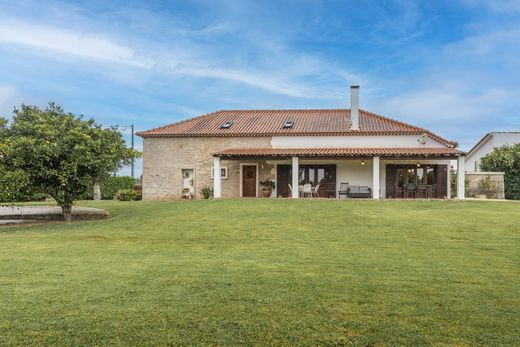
217,180
295,174
375,178
460,178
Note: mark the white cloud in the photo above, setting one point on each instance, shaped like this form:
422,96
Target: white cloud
285,72
448,102
73,43
8,99
402,22
258,79
452,111
491,46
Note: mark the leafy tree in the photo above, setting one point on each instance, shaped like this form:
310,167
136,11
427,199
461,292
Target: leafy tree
505,159
63,155
4,138
14,183
5,181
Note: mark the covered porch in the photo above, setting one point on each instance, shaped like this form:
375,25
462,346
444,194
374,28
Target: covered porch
345,172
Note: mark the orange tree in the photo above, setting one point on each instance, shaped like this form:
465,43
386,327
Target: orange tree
63,154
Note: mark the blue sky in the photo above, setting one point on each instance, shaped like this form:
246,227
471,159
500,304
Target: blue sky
450,66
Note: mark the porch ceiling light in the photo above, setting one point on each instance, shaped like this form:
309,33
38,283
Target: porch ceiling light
418,164
362,162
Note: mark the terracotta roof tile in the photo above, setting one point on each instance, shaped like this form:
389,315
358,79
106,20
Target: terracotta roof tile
340,152
270,123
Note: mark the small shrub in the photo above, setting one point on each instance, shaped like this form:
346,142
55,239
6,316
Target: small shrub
488,187
207,192
128,195
268,184
454,183
112,185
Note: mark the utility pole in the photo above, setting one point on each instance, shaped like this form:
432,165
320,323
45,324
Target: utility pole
133,159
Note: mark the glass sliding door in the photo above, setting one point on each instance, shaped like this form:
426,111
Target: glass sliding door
322,175
427,178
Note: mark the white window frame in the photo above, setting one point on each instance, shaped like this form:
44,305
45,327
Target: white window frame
226,172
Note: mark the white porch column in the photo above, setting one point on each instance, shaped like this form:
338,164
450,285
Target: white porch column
217,179
460,178
295,174
375,178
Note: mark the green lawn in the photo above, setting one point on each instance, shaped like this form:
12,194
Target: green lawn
267,272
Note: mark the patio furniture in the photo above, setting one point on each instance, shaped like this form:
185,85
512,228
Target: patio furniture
359,192
399,192
343,189
307,190
409,190
314,191
431,190
330,190
420,191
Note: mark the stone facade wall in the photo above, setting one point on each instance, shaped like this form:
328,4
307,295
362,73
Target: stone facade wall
164,159
477,184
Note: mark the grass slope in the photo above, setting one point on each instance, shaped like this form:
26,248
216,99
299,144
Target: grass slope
266,272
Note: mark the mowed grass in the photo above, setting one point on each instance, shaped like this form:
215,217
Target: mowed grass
267,272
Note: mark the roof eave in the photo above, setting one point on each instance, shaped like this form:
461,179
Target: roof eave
479,144
451,144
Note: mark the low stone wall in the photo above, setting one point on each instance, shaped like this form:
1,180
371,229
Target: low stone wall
485,184
50,213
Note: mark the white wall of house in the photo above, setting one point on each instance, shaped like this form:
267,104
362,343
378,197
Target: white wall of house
495,140
352,141
354,173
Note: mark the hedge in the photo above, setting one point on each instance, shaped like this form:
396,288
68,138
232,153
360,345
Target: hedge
505,159
111,186
15,187
129,195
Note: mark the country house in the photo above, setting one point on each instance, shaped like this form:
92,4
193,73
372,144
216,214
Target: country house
325,153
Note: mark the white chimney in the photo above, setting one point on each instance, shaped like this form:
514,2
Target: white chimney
354,107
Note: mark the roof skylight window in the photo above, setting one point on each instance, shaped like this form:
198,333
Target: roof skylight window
288,124
226,125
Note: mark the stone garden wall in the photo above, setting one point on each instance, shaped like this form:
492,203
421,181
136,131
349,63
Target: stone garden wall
485,185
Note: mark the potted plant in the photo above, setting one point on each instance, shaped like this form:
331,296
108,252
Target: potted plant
267,188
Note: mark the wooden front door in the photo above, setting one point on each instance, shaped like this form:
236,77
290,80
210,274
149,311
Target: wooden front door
249,180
